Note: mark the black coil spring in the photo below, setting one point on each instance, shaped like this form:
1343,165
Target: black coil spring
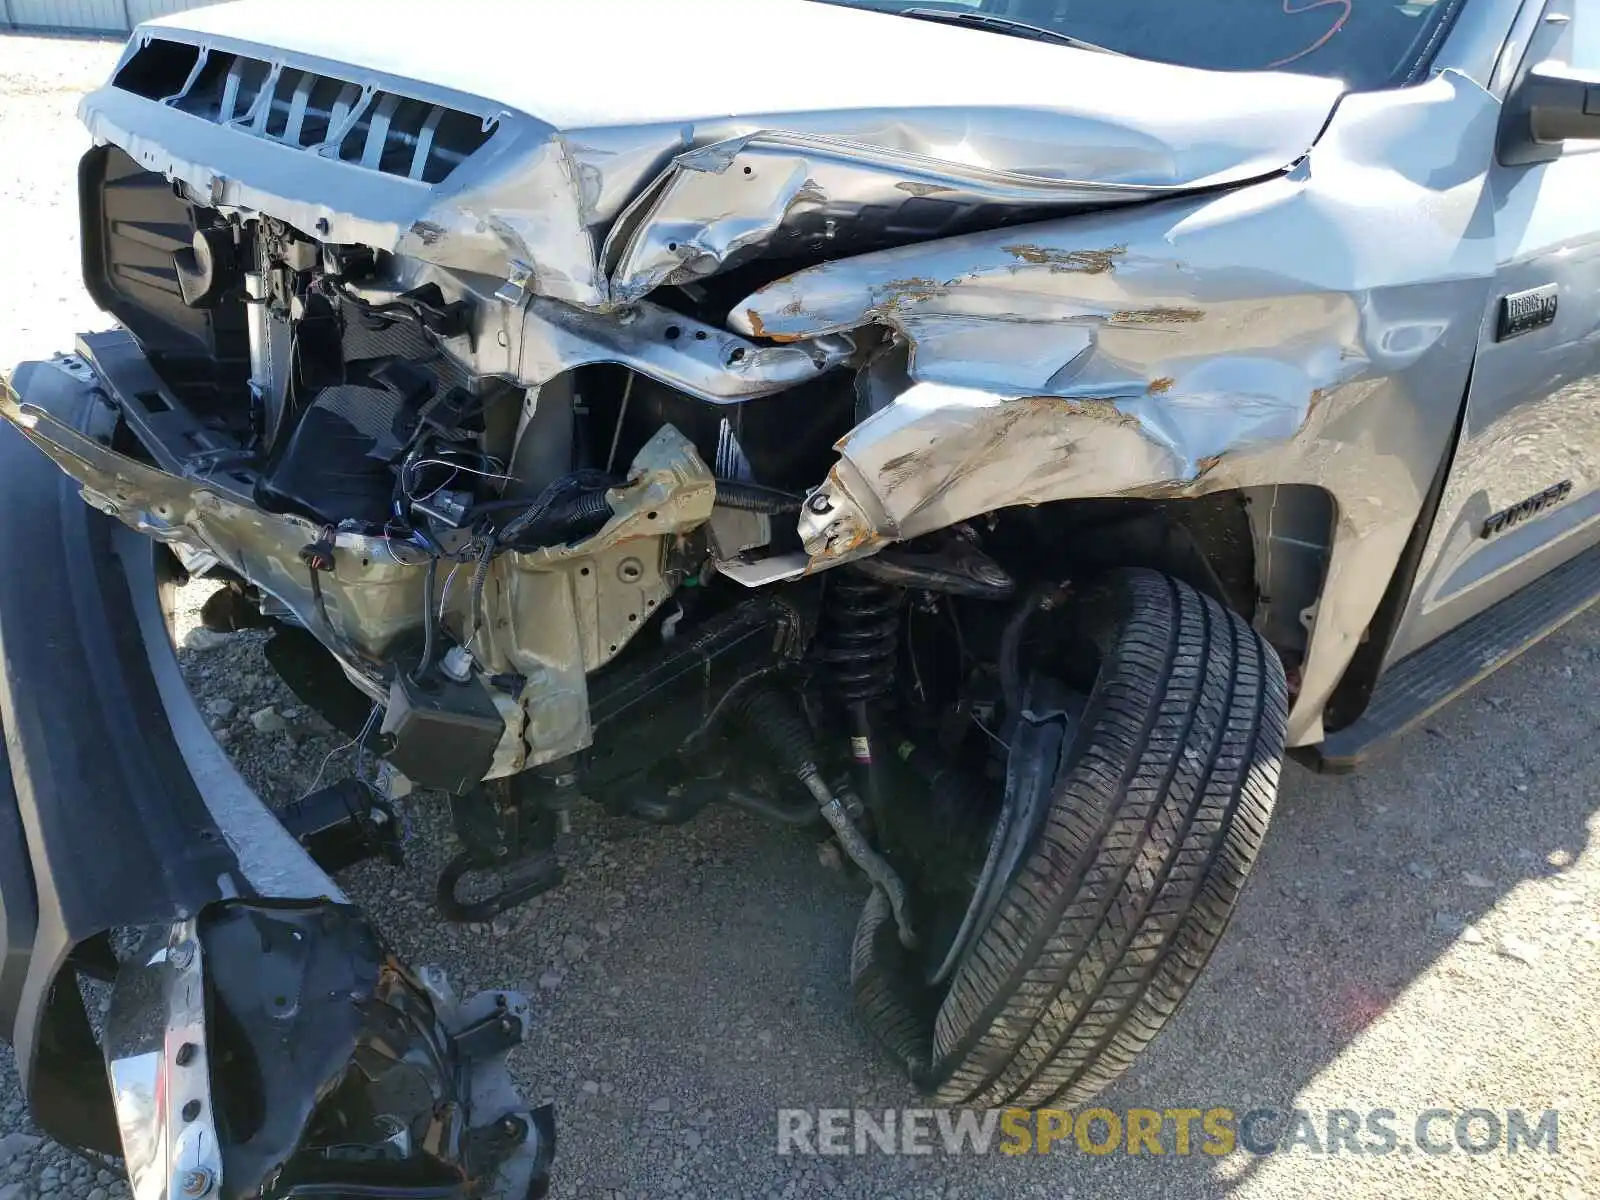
860,635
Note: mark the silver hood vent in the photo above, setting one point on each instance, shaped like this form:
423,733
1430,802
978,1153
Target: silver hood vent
380,130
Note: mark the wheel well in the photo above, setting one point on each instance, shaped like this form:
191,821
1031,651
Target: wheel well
1260,551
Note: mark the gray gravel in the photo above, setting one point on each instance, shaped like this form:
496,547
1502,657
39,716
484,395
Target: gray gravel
1424,934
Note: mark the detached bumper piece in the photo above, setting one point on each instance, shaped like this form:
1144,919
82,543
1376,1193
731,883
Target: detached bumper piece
260,1041
274,1050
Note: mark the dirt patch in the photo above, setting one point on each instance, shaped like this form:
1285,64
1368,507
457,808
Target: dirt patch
923,189
914,290
1156,316
1082,262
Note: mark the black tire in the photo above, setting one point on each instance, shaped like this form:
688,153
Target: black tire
1156,813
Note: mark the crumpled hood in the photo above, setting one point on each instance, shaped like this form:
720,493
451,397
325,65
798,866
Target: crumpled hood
639,142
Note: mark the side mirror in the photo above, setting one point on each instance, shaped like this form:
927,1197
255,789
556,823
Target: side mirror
1550,104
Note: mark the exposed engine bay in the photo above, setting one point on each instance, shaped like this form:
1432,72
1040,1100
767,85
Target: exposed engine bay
605,586
580,589
504,569
403,309
518,575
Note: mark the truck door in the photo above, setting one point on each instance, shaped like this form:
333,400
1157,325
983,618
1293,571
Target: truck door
1523,493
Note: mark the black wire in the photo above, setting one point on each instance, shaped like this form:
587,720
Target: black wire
507,534
479,574
552,492
322,605
389,313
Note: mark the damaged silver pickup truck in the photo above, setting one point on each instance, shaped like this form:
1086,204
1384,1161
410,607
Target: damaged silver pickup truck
993,434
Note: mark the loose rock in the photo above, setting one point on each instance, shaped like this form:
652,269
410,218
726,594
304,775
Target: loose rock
574,947
14,1144
268,720
1517,948
203,640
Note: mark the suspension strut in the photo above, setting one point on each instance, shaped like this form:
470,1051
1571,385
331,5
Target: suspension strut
859,640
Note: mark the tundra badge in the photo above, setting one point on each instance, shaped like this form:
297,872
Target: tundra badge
1523,509
1522,312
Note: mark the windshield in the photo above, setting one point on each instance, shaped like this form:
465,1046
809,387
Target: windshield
1366,43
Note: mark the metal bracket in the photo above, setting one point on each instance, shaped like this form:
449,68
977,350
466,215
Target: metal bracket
494,1034
159,1074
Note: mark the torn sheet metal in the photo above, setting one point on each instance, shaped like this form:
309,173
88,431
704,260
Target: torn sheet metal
940,450
537,340
372,597
550,615
1313,329
781,195
903,110
555,614
681,352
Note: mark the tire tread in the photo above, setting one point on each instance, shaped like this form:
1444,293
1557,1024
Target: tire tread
1131,881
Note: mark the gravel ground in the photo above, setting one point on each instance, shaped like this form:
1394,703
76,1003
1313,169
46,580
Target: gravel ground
1425,934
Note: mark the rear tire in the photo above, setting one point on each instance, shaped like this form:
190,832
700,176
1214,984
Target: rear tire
1155,811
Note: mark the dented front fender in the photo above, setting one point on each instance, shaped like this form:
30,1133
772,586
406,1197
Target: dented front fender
1315,328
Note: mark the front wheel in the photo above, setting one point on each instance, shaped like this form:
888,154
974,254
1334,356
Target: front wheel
1127,834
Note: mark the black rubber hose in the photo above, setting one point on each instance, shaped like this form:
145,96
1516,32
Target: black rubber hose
565,520
782,729
757,498
773,810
